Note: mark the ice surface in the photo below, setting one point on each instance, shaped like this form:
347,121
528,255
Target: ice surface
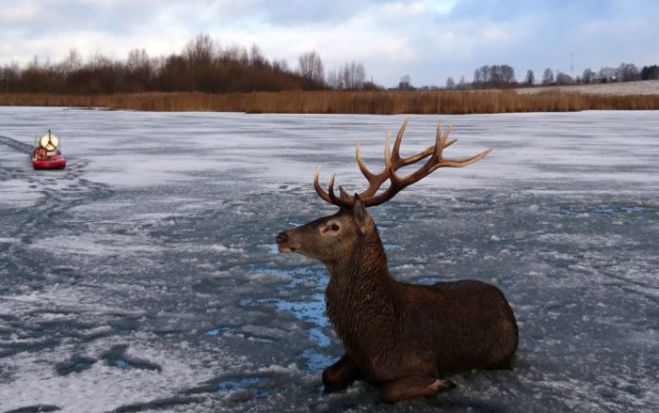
144,277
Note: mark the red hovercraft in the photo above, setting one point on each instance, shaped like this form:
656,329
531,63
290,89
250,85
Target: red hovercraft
47,154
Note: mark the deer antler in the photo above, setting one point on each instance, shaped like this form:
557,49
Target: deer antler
394,162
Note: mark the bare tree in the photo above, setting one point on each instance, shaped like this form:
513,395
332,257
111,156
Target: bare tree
72,62
548,77
137,58
405,83
450,83
311,67
494,75
256,57
530,77
628,72
650,72
201,50
462,84
608,74
353,76
563,78
588,75
333,80
281,65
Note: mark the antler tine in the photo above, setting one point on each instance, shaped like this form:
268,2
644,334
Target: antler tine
330,190
319,189
344,195
465,162
427,152
328,197
446,134
362,166
387,156
399,139
440,141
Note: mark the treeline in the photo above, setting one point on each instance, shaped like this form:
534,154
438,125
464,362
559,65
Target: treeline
626,72
202,66
503,76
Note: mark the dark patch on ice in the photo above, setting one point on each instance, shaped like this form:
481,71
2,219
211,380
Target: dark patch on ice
259,384
160,404
116,357
449,403
10,349
124,323
76,364
18,145
38,408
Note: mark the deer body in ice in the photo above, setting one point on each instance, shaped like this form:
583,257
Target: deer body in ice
402,337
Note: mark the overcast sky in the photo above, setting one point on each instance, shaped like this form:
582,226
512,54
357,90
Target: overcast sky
428,39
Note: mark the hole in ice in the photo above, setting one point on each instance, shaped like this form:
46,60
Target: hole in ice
219,331
426,280
390,246
309,311
321,338
605,211
312,311
271,248
299,277
123,364
633,209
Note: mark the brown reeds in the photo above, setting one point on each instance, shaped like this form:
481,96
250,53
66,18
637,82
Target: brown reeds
376,102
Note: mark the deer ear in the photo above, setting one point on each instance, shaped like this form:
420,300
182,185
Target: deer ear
360,215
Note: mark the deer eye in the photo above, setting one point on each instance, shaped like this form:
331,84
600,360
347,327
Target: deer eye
334,227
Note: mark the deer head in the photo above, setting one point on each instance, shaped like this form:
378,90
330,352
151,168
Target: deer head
333,238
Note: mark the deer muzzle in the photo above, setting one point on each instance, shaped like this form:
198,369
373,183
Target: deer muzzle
284,243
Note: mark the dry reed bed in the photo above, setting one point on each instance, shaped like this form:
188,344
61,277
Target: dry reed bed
444,102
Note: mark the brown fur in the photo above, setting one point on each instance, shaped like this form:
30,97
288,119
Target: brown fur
397,335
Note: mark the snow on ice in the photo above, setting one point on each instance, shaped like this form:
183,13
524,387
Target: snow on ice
144,277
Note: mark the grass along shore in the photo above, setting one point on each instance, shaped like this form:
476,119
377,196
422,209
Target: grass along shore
378,102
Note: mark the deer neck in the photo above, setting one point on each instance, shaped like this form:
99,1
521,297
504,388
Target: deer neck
366,263
360,291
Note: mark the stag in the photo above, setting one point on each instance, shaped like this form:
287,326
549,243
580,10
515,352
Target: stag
404,338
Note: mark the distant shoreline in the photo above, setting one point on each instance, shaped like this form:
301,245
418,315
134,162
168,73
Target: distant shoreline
634,96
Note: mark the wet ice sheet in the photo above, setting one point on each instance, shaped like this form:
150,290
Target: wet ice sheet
144,278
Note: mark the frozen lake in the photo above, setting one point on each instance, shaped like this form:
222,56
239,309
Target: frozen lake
144,277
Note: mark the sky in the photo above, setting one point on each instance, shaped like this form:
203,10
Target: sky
429,40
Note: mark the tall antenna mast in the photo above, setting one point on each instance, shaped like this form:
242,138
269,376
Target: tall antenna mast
572,63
